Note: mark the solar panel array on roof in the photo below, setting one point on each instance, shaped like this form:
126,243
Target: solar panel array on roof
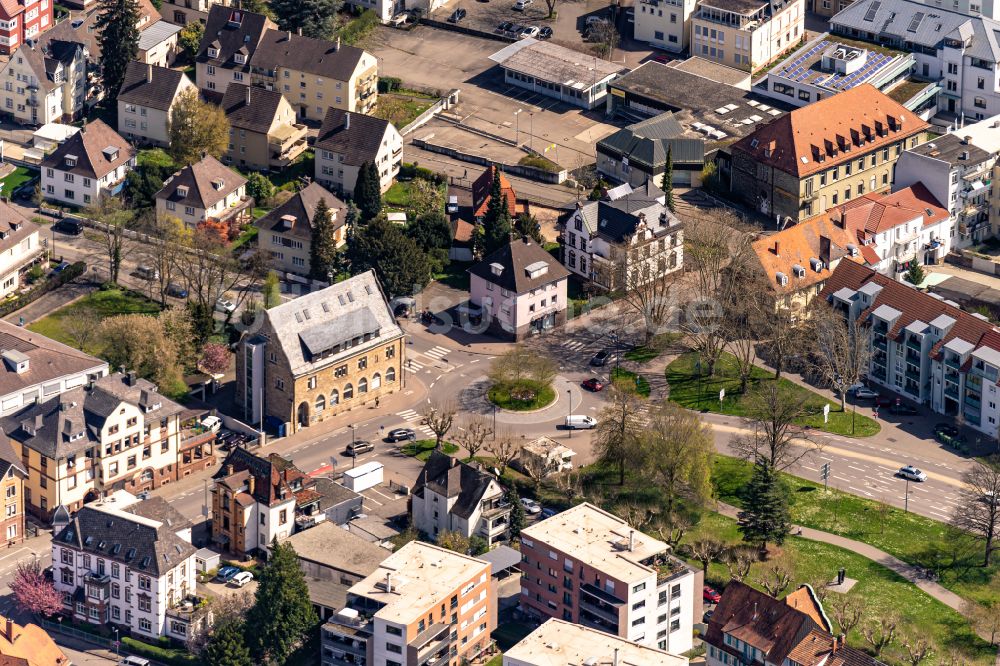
915,22
872,10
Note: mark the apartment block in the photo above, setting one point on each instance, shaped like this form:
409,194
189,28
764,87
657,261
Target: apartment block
286,231
12,477
21,20
561,642
824,154
746,34
145,100
587,566
92,163
664,24
922,347
423,605
347,141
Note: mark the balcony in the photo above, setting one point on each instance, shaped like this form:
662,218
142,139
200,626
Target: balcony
912,357
600,595
238,212
951,392
952,362
913,343
879,342
286,144
878,372
973,401
599,611
430,645
495,509
492,529
912,374
97,586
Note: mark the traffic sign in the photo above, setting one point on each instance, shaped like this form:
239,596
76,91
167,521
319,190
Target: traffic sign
824,473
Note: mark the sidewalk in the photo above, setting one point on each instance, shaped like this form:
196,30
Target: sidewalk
907,571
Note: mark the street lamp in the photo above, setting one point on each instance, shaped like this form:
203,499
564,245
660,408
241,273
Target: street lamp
117,659
906,498
569,411
517,127
494,422
354,451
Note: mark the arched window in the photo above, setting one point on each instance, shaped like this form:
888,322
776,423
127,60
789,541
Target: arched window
147,475
320,403
334,397
376,381
362,385
390,375
348,392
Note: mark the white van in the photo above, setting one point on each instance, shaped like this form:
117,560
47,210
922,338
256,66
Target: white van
452,204
580,422
132,660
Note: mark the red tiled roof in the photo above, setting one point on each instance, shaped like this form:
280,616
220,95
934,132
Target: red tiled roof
831,131
482,187
9,9
877,212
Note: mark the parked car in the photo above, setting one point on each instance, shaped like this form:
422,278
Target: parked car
521,5
707,616
593,384
865,393
132,660
241,579
356,448
63,265
600,358
529,31
225,573
401,434
595,20
710,595
457,15
505,26
225,305
545,33
177,291
211,423
147,272
911,473
452,206
548,512
531,506
71,227
899,409
580,422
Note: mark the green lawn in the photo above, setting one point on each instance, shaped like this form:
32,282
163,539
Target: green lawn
247,236
17,177
98,305
634,381
508,396
288,178
421,449
401,109
455,275
155,157
884,592
690,390
495,661
907,536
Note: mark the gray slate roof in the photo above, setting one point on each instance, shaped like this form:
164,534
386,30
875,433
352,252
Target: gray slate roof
88,146
330,307
251,108
302,206
892,21
358,141
449,477
140,546
319,57
515,257
647,143
157,33
619,219
200,179
151,86
244,32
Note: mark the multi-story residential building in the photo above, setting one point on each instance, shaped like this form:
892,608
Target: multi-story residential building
206,191
116,433
387,9
638,153
827,8
39,368
632,238
145,100
12,476
158,44
559,642
182,12
316,74
796,262
956,50
347,141
319,355
753,628
21,20
823,154
19,247
746,34
286,231
28,645
263,133
91,163
45,82
957,169
546,456
664,24
231,38
256,500
520,289
125,563
450,495
590,567
922,347
423,604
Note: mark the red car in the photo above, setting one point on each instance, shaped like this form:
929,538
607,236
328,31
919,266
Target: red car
593,384
710,595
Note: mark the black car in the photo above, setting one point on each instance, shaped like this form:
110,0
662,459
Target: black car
71,227
457,15
177,291
545,33
401,435
506,26
900,409
601,358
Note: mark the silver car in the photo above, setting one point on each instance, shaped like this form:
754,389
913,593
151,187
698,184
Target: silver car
911,473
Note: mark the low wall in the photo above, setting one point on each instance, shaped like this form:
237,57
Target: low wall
466,30
980,263
528,172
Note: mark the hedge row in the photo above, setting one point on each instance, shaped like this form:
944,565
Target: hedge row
70,273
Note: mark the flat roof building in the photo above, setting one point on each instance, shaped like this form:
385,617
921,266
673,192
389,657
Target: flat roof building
561,643
556,71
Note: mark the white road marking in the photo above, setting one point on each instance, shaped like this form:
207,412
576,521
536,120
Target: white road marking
437,353
373,500
381,494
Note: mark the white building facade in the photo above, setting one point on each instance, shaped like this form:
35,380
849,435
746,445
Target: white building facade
664,24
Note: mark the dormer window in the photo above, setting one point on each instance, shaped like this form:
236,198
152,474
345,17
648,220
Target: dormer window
213,52
240,59
218,184
496,268
71,160
110,153
182,190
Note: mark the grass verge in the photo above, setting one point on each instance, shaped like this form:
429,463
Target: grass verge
421,449
61,325
634,381
691,390
400,109
17,177
522,396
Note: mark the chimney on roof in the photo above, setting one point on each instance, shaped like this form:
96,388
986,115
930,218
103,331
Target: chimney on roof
631,540
130,378
300,31
289,35
38,422
777,248
388,582
755,610
227,470
251,484
336,44
248,95
149,73
8,630
615,662
347,120
453,461
966,140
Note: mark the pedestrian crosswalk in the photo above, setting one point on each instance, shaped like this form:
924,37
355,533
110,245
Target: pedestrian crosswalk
413,366
573,345
437,353
410,416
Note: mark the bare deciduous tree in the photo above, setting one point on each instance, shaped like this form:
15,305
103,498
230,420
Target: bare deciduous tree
745,323
842,347
918,649
536,468
163,251
114,222
83,327
776,575
979,510
604,36
848,611
671,527
782,336
985,620
439,417
738,560
473,433
880,632
522,363
504,448
225,608
646,291
706,551
636,515
618,428
677,450
571,485
774,412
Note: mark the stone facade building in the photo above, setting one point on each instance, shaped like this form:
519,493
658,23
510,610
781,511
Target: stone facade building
12,476
319,355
